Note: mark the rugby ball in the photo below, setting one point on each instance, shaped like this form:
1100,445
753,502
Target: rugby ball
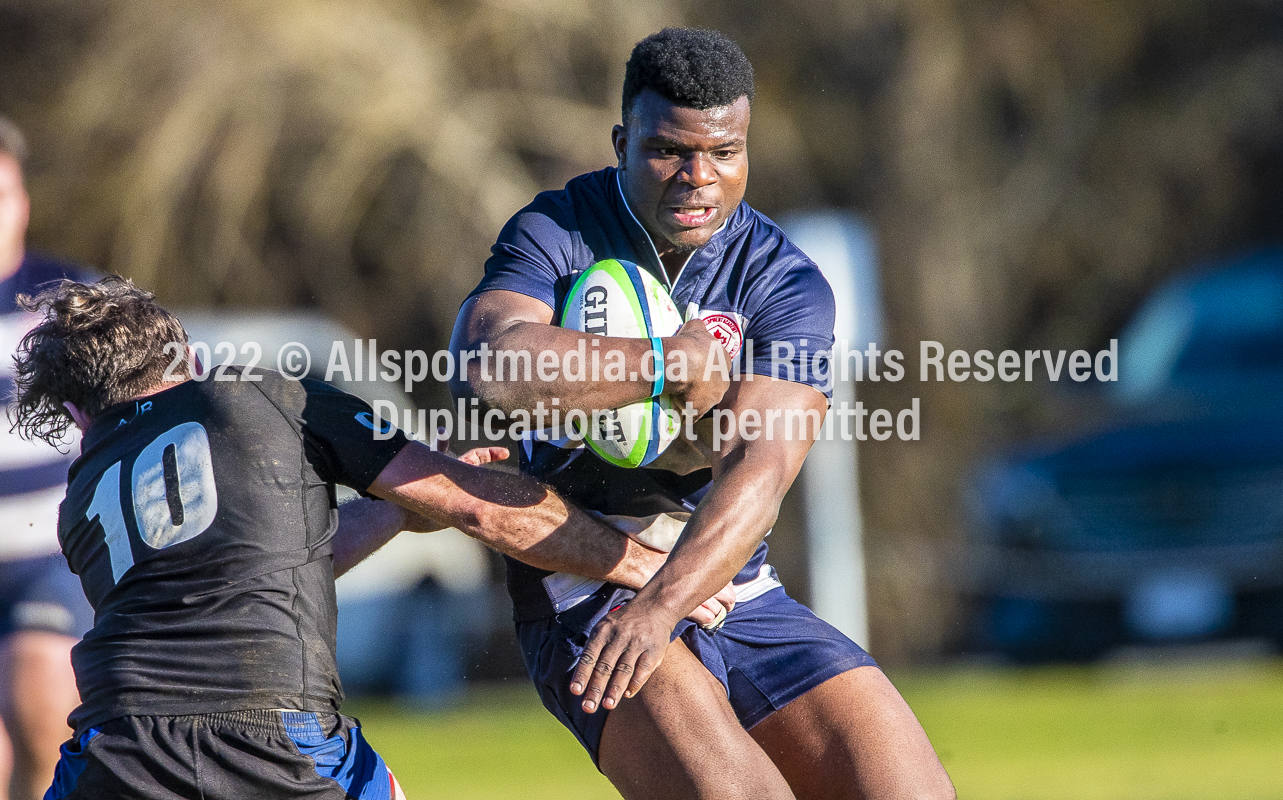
614,298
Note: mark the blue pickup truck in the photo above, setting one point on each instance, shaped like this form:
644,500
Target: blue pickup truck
1165,523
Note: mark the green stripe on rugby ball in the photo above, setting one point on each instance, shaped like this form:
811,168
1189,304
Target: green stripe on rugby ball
617,298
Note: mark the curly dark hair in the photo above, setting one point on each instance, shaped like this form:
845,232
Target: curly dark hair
99,344
690,67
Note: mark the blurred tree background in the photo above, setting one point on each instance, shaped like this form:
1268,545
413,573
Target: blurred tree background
1031,169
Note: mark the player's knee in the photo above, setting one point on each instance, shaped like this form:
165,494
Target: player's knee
38,674
39,654
939,788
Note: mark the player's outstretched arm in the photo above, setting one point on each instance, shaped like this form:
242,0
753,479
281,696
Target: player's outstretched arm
365,525
516,516
750,479
508,321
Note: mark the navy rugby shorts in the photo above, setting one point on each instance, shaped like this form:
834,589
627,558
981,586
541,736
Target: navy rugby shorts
770,651
224,756
40,593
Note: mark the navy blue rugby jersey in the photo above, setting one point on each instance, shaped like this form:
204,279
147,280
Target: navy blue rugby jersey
755,290
199,520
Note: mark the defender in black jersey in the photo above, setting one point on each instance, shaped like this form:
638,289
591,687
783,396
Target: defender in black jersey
263,570
201,519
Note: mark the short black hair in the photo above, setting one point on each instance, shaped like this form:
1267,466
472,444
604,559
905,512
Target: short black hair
689,67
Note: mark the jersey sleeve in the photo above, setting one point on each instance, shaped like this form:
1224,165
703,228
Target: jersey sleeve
342,439
792,329
534,248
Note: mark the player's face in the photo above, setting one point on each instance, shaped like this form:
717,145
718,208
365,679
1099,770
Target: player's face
14,210
684,170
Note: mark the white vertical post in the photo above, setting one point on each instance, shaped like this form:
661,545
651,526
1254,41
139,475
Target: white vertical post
843,248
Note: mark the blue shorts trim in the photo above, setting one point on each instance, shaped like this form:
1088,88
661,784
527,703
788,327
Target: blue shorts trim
770,651
71,764
355,766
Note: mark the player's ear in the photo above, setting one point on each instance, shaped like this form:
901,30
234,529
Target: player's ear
193,362
619,140
25,208
79,417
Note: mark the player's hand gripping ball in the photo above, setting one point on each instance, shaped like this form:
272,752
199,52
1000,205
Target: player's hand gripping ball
615,298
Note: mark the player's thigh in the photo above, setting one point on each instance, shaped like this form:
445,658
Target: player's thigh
853,737
45,615
37,663
678,738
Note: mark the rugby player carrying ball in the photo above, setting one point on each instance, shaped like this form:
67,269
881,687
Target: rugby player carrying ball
775,703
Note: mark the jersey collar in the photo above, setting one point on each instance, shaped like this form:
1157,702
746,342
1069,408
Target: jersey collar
118,416
713,246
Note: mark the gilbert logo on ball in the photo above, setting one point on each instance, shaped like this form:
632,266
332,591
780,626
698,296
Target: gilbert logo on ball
614,298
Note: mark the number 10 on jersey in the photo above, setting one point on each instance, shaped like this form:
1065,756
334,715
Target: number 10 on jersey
171,486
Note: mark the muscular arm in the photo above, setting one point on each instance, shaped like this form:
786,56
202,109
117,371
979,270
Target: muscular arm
516,516
365,525
578,543
750,480
508,321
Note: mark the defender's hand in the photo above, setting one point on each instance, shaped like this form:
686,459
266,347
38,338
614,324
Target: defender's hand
624,649
712,612
484,455
697,343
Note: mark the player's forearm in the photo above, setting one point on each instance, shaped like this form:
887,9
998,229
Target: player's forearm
750,478
556,369
719,539
556,536
514,515
365,525
499,333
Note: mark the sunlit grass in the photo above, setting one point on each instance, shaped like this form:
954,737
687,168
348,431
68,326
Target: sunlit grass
1208,731
1130,732
500,743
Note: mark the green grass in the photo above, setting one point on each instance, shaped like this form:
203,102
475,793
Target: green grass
1118,732
500,743
1113,732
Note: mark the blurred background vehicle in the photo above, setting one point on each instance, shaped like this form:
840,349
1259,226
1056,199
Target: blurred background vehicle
1166,523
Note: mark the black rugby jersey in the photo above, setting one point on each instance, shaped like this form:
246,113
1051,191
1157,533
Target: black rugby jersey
199,520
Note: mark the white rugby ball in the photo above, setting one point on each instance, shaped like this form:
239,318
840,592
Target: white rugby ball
618,298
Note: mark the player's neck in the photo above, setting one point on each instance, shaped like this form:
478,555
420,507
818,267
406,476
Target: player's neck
157,389
84,421
673,262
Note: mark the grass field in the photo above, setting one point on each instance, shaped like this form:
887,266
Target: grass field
1196,731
